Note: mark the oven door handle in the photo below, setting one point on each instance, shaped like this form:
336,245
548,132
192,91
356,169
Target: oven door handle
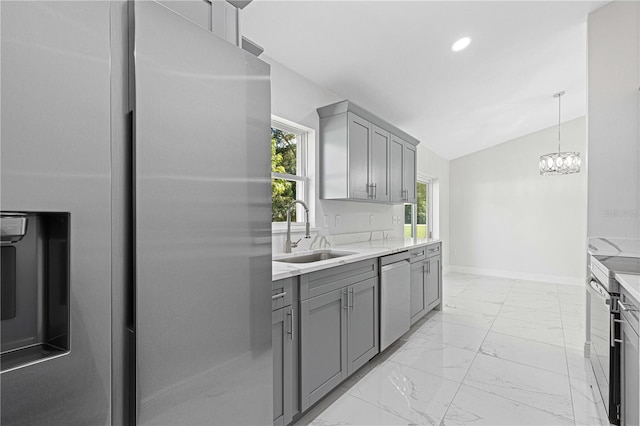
626,308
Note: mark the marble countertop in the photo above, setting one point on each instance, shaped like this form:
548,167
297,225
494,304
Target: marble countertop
625,247
631,283
361,251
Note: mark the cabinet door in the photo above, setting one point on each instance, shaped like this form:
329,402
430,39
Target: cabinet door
434,281
395,170
379,164
281,335
359,140
418,294
630,386
323,339
362,323
409,172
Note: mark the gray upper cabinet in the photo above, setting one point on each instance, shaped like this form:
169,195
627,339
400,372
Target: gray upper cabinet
402,173
358,160
409,161
395,173
379,163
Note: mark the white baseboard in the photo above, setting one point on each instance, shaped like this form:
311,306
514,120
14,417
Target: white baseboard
446,270
556,279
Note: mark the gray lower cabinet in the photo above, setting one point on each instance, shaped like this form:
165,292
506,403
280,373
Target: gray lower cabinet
426,280
338,335
285,345
282,341
418,289
362,324
434,281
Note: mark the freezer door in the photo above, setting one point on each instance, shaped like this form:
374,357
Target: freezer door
203,221
56,158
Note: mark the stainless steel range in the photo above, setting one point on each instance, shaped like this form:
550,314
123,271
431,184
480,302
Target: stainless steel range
604,320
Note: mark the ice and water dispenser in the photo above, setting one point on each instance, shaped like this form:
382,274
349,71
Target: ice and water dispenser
35,287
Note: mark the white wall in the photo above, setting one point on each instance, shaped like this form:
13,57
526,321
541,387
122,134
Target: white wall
507,220
613,120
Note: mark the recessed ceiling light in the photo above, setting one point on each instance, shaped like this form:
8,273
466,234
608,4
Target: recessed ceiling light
461,44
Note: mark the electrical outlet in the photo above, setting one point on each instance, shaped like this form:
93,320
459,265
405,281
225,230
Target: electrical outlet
370,219
454,252
326,221
337,221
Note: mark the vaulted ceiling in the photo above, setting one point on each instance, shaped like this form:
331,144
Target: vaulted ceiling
394,58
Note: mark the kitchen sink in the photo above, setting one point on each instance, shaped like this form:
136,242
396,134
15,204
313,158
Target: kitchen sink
316,256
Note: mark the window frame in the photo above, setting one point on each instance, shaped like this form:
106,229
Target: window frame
424,179
302,180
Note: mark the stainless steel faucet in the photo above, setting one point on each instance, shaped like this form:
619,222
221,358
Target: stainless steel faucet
288,245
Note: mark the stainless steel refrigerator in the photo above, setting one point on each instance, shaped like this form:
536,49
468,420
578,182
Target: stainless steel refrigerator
202,226
135,199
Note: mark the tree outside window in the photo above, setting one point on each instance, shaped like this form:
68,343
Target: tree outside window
284,165
422,223
421,210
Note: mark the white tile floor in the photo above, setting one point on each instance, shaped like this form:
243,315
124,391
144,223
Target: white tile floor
501,352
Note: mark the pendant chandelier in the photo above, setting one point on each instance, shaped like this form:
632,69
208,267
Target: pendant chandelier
559,163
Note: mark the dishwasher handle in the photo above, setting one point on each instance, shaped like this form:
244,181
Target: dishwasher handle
395,265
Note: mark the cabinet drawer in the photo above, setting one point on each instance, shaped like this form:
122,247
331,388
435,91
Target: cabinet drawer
320,282
418,254
433,250
281,293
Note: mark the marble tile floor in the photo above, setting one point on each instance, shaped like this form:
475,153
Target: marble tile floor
500,352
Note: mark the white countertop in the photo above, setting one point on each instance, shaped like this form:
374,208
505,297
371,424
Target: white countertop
625,247
362,251
631,283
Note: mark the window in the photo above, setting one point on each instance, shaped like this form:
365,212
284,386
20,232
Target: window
288,170
418,218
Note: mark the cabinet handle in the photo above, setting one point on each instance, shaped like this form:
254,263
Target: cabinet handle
417,254
346,297
351,300
432,250
291,323
279,295
372,191
375,191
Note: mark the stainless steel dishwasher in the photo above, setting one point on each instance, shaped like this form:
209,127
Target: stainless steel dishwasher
394,298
